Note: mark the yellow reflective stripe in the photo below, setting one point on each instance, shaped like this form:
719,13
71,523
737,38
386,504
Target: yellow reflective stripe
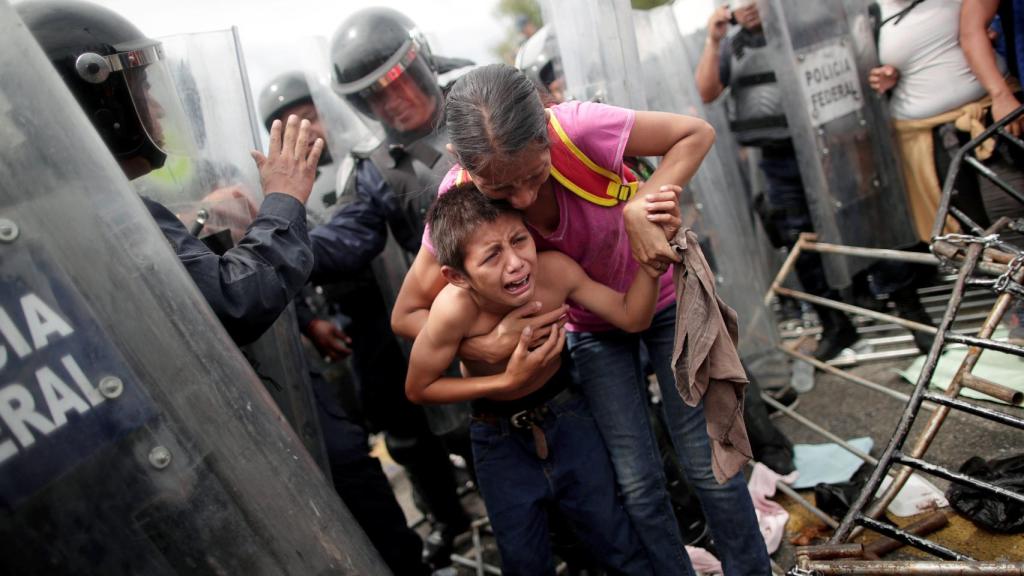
460,177
607,202
579,153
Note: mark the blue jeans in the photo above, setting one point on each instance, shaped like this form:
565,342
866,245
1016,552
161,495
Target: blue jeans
609,371
518,488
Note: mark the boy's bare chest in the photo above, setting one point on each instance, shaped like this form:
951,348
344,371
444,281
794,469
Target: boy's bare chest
550,298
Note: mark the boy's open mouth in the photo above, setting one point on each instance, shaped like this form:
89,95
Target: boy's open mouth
518,286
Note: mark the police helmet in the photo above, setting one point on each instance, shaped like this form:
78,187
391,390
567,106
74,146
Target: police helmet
282,93
377,49
539,59
108,64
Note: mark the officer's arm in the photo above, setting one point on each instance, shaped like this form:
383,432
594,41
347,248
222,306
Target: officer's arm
710,83
251,284
355,235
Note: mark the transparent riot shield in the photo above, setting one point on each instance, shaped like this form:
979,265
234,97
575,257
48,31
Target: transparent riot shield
346,129
598,48
716,202
213,186
134,437
821,53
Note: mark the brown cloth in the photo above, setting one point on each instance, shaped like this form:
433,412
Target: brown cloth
704,357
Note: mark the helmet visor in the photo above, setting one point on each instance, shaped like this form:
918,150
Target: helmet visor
155,98
405,98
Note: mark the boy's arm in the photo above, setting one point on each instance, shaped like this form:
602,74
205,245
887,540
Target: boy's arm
631,311
438,343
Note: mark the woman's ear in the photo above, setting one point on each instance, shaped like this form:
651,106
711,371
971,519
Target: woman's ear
454,277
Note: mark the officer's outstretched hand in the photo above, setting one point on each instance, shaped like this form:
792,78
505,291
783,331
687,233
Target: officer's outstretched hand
290,165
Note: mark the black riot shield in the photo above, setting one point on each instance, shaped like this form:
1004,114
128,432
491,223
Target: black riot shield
211,183
716,203
821,53
134,437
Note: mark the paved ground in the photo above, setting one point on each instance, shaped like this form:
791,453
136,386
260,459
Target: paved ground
852,411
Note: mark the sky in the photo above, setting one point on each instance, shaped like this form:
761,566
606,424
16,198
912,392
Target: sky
269,29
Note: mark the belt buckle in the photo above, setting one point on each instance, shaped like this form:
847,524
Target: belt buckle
521,419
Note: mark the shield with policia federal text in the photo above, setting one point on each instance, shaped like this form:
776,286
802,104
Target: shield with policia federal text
134,437
821,53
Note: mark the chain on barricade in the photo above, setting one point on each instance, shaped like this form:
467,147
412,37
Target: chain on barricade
1007,281
947,264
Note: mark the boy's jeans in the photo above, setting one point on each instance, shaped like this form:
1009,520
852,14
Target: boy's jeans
577,476
609,371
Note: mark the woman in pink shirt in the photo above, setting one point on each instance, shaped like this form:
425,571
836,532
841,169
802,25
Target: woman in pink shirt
498,129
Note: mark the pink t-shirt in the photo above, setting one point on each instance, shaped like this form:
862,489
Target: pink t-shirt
592,235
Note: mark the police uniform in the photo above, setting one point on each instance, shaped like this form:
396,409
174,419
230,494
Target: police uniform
757,118
251,284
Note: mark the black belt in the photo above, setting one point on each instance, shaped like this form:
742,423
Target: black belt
528,419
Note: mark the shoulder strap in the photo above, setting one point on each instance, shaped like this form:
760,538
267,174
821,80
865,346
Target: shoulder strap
578,173
581,175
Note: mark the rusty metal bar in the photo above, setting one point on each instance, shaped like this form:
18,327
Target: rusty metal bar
850,377
985,342
1008,395
914,540
827,551
851,309
950,251
980,411
899,255
910,568
994,178
910,412
819,429
924,440
958,160
788,265
817,512
946,474
933,522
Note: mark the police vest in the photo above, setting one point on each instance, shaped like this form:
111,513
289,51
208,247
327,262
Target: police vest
413,172
578,173
756,115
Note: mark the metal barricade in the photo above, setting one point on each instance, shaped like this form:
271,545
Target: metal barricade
983,259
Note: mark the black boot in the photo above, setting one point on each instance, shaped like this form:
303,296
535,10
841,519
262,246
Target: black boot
837,332
909,307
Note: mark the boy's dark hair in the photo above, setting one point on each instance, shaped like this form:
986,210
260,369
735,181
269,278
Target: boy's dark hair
453,218
493,111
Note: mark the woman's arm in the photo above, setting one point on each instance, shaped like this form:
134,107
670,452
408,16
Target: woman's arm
419,288
975,17
423,283
682,141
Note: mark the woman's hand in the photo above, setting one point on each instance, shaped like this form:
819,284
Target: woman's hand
501,342
883,78
663,209
647,239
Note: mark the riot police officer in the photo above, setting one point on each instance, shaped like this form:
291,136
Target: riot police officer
111,68
757,119
358,478
383,66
